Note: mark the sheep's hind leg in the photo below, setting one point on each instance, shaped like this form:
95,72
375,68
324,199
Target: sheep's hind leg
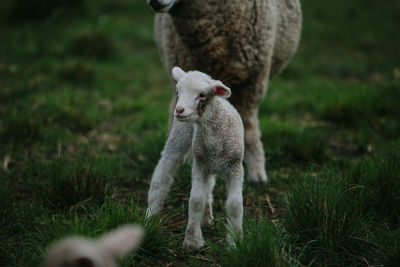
208,217
177,145
234,203
254,157
197,202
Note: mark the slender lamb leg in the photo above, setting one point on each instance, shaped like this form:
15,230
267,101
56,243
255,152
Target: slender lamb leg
178,144
234,203
197,202
254,157
208,213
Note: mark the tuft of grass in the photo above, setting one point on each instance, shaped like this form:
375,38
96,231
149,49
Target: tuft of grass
41,9
263,244
325,220
78,72
389,245
6,206
16,222
45,123
61,185
156,242
144,155
20,128
288,143
356,104
93,43
93,221
380,178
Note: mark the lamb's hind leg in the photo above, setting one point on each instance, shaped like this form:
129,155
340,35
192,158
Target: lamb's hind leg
208,213
178,144
254,157
234,203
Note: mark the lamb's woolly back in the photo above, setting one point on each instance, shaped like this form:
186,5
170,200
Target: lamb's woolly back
103,252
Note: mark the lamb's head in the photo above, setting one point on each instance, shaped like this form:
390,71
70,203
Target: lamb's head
161,5
194,90
104,252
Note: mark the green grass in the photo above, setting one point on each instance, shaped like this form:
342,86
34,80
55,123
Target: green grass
263,244
330,230
84,103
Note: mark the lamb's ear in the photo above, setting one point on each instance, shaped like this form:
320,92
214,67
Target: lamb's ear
218,88
121,241
177,73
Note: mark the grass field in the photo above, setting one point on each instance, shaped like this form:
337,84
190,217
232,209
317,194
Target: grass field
84,103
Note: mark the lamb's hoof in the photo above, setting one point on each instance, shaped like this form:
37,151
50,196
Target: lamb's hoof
231,242
232,238
193,244
258,178
151,213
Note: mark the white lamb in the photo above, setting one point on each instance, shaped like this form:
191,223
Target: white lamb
104,252
217,149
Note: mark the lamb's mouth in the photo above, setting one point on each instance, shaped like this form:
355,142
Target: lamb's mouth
182,118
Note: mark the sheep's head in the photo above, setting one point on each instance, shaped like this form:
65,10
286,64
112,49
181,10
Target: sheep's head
82,252
194,90
161,5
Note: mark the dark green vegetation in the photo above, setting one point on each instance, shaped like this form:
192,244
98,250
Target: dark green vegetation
84,112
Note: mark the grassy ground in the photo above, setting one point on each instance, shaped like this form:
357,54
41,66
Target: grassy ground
84,112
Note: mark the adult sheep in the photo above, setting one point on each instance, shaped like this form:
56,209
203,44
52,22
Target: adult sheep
244,43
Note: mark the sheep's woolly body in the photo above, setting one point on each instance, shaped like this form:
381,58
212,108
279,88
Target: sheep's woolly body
243,43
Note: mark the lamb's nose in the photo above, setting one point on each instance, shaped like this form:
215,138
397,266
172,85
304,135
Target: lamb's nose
179,110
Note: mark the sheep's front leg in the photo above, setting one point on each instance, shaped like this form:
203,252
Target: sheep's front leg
197,203
208,213
234,203
254,158
178,144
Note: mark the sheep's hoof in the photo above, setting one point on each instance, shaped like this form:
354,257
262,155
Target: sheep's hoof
258,178
193,244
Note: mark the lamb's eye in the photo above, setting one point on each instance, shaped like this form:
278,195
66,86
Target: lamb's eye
202,95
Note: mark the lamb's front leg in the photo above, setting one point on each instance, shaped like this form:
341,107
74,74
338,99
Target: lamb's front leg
178,143
197,202
234,203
